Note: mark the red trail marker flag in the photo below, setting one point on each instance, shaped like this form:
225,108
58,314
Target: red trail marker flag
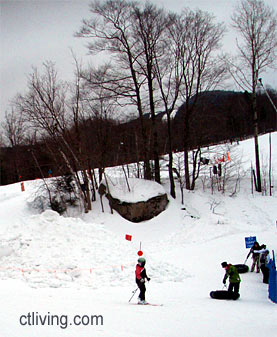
128,237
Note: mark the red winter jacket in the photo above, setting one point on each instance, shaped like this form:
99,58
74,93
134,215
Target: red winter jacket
140,272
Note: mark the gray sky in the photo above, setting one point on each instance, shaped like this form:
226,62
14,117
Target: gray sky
35,31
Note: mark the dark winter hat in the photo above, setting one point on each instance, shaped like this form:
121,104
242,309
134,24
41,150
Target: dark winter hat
141,260
224,264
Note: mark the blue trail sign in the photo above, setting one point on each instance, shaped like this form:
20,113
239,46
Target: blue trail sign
249,241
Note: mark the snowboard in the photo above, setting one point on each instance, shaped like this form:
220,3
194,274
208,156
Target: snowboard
223,295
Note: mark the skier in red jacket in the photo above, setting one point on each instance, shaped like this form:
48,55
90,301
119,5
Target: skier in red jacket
140,279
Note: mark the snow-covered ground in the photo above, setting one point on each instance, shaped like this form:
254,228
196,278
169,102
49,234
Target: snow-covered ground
56,267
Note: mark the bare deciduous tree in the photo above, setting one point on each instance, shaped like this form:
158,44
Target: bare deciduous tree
14,129
46,110
150,25
14,135
111,30
163,54
198,39
169,78
256,24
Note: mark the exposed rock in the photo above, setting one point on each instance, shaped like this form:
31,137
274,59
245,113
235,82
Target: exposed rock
137,211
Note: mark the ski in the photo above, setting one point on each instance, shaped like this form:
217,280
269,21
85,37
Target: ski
152,304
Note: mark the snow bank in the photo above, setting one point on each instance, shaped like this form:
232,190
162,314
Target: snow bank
59,252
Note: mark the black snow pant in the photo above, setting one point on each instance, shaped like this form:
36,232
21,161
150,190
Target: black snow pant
142,289
234,288
265,272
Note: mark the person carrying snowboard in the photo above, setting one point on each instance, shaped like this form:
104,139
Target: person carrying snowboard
140,279
234,279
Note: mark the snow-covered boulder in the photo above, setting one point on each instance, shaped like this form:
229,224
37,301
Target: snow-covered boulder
135,199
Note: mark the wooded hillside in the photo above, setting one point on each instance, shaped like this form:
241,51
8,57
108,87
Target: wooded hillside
220,116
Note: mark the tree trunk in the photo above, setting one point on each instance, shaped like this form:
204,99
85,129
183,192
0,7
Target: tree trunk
196,167
256,134
186,162
170,164
186,146
154,129
269,170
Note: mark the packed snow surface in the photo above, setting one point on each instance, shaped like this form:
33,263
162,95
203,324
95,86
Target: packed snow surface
54,268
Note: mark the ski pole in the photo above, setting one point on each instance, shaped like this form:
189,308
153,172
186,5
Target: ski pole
134,291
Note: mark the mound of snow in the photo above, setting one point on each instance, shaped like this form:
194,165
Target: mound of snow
5,251
50,215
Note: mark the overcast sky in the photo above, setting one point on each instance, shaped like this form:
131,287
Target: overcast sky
34,31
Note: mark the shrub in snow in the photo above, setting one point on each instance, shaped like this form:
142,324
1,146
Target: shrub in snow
63,194
58,195
38,202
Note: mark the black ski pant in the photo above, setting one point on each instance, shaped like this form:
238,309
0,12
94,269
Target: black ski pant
234,288
265,272
142,289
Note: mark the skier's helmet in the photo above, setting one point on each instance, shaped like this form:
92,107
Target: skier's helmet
142,261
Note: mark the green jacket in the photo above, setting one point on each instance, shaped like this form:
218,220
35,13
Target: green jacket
232,273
